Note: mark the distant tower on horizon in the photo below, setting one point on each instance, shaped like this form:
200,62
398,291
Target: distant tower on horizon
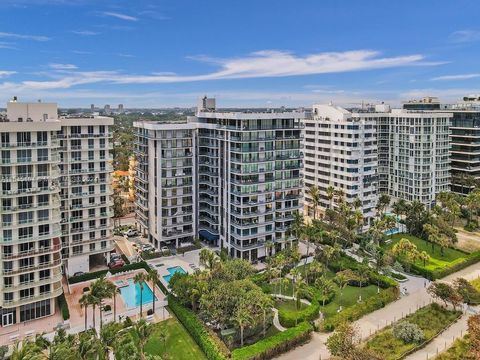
120,109
107,110
92,107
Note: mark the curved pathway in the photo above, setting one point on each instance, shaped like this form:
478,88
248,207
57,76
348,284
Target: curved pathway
377,320
276,322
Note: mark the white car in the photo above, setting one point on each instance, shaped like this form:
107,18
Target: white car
130,232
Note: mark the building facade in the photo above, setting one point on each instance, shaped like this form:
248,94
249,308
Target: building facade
33,209
414,162
341,152
86,191
241,171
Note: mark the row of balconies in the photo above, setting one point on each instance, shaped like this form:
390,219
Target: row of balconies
34,267
21,254
34,298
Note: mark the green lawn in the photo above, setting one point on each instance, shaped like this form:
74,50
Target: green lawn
179,344
431,319
289,305
349,297
437,260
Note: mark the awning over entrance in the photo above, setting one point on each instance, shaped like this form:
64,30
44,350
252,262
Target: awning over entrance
205,234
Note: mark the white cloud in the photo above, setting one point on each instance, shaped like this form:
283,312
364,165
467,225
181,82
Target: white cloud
62,66
455,77
6,73
261,64
24,37
463,36
120,16
85,32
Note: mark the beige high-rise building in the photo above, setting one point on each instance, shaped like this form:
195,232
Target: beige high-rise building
54,204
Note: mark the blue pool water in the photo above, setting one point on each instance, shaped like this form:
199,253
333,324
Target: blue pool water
173,270
131,294
392,231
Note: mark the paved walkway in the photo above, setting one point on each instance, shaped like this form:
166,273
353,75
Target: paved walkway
367,325
276,321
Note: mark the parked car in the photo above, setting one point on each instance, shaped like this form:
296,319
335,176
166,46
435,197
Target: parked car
114,257
130,232
165,249
116,264
147,247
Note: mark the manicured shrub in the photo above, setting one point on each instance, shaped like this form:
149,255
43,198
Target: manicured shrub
442,272
275,345
408,332
289,318
62,304
125,259
207,340
357,311
107,308
86,289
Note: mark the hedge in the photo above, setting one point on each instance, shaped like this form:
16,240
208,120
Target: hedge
288,318
62,304
125,259
442,272
275,345
207,340
355,312
97,274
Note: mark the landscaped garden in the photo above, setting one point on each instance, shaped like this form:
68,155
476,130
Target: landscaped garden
170,337
428,259
411,332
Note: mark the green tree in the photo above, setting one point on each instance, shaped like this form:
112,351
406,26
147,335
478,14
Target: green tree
242,317
85,302
314,193
154,279
326,287
141,278
142,331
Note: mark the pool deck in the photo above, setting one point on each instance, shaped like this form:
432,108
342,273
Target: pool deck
77,312
162,264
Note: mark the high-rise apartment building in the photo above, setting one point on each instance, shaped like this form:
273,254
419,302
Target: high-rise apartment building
231,178
35,209
86,191
373,150
464,139
341,152
413,153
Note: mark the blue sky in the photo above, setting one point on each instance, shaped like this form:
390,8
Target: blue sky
148,53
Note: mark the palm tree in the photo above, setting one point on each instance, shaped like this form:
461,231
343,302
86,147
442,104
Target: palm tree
153,277
297,225
242,317
268,247
315,267
26,350
383,202
295,273
314,193
330,194
208,259
112,290
265,305
99,292
85,302
141,278
326,287
142,331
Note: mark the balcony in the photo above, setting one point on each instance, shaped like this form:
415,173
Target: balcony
40,251
37,267
34,298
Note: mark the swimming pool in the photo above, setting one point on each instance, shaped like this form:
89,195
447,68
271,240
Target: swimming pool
173,270
131,294
392,231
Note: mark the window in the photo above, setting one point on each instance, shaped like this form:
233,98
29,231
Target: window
35,310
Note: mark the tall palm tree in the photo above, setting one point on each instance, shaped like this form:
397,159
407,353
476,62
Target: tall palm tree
325,286
99,291
242,317
142,331
314,193
383,202
84,302
141,278
297,225
268,247
111,291
208,259
26,350
330,194
154,279
296,275
265,305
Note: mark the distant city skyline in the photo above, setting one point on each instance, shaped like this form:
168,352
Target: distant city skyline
268,53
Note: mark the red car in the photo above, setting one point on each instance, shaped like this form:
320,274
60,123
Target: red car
116,264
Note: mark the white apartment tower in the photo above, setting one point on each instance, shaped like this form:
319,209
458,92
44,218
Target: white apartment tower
341,152
35,212
414,158
232,179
